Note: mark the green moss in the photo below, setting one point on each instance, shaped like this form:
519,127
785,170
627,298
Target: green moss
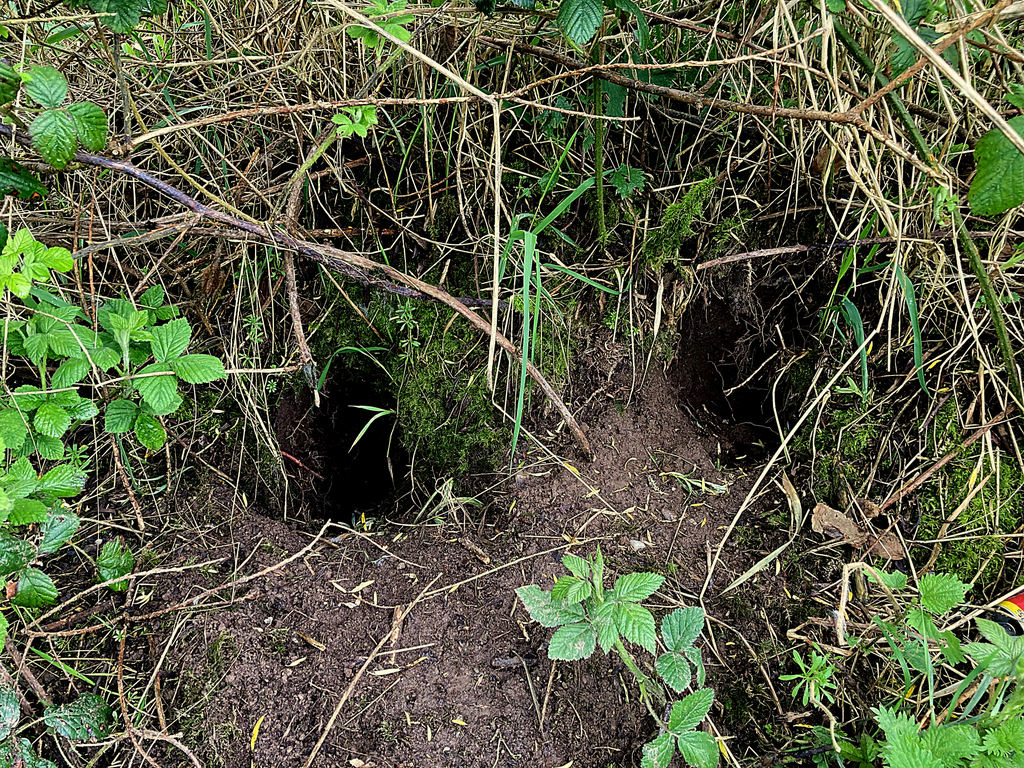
975,546
661,245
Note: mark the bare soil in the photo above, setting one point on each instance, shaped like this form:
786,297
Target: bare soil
289,660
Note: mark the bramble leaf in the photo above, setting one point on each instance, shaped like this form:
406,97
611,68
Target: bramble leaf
63,481
35,589
16,179
10,82
698,749
53,136
150,432
572,642
26,512
57,529
170,339
90,125
998,184
198,369
570,589
634,587
10,711
546,612
45,86
674,670
87,718
658,753
636,624
690,711
681,628
120,416
115,560
577,566
160,393
15,553
51,420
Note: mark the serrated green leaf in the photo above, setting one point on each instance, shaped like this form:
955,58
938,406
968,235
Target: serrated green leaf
894,581
53,136
693,655
170,339
636,624
544,611
87,718
573,642
951,743
16,179
570,589
70,372
26,512
21,479
198,369
690,711
998,184
18,753
3,631
15,553
35,589
10,82
49,448
78,408
125,13
160,393
120,416
45,86
634,587
658,753
63,481
698,749
940,592
674,670
150,432
58,258
90,125
681,628
12,427
597,571
51,420
577,566
57,530
10,711
643,31
115,561
579,19
152,297
627,181
604,623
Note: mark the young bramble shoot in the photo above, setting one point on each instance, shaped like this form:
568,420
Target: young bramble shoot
585,615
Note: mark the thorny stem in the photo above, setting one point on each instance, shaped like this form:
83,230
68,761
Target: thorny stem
962,233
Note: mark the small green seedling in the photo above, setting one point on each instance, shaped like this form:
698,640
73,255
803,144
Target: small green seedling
586,616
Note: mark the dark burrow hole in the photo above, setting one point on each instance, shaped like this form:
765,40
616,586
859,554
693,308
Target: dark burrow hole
719,378
329,477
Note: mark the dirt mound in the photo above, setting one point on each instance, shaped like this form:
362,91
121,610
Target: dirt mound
464,678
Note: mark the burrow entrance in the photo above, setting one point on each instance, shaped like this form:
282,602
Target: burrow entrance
340,468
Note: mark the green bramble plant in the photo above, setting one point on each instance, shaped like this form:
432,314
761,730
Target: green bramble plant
983,721
586,615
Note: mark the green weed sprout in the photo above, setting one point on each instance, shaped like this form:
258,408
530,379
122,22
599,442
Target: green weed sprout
586,616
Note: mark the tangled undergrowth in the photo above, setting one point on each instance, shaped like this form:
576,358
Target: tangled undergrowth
443,233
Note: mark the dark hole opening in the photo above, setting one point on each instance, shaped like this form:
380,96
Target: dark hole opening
340,466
